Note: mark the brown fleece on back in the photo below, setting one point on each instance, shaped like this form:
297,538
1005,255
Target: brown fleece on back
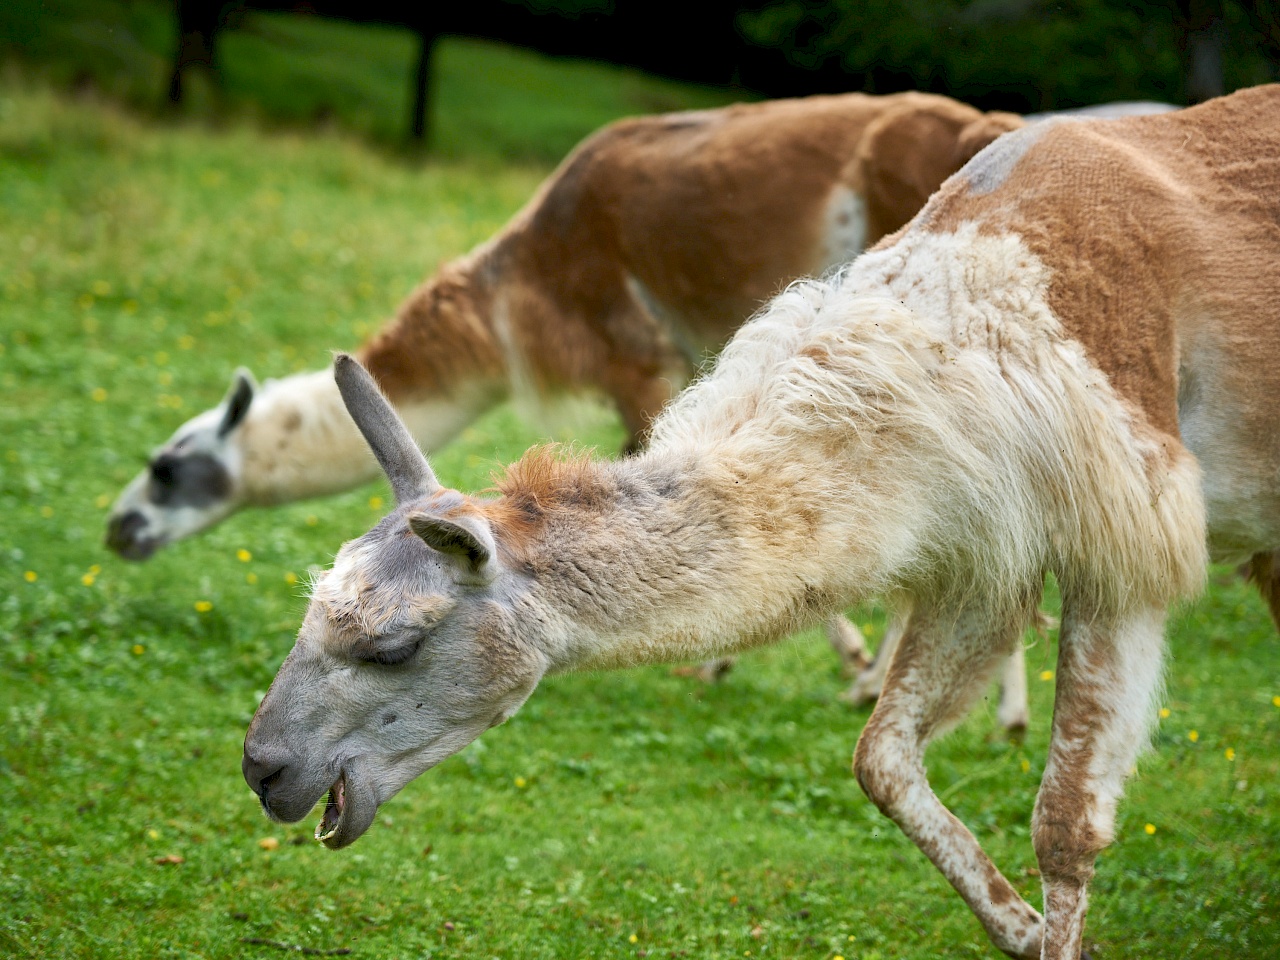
1167,227
910,148
439,338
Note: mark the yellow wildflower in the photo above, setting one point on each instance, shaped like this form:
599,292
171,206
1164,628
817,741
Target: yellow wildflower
102,501
521,782
632,939
1046,674
291,578
1025,765
375,503
139,649
88,579
251,578
243,555
203,606
1164,713
46,512
95,569
153,834
1150,828
99,394
1229,753
30,576
1193,736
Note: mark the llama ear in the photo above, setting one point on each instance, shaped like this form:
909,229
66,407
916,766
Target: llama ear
237,402
465,540
387,436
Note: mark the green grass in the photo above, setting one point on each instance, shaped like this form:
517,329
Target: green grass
141,263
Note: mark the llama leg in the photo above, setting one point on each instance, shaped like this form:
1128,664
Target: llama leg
639,397
1012,712
866,686
1108,682
941,667
846,640
1264,570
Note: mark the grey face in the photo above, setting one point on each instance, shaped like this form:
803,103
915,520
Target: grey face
407,653
188,485
415,643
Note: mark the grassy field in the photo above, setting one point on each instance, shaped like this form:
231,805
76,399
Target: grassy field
618,815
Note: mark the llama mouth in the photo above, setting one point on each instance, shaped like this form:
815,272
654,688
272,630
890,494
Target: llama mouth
327,828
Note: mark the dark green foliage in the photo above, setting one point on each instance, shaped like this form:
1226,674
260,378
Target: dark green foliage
1021,55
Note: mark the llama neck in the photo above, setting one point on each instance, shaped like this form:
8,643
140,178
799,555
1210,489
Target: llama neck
298,440
438,363
656,560
441,347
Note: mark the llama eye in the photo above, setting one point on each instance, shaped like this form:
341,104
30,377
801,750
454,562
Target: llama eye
162,471
393,657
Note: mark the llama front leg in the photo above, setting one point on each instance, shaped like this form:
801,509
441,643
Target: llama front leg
1108,680
942,665
1012,713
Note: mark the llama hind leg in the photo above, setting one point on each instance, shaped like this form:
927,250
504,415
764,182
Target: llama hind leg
869,681
843,636
1013,713
846,640
941,667
1108,682
1264,570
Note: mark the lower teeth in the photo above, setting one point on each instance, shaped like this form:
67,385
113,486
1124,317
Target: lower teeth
332,804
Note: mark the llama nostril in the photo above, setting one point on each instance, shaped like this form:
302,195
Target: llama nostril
260,775
125,535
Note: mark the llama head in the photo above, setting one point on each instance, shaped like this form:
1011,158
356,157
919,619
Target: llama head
413,645
190,483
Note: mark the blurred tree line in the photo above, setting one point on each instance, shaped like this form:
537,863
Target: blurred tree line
1023,55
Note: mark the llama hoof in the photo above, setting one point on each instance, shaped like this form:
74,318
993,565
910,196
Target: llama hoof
1015,727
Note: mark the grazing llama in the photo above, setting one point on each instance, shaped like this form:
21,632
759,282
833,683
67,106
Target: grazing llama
1066,363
